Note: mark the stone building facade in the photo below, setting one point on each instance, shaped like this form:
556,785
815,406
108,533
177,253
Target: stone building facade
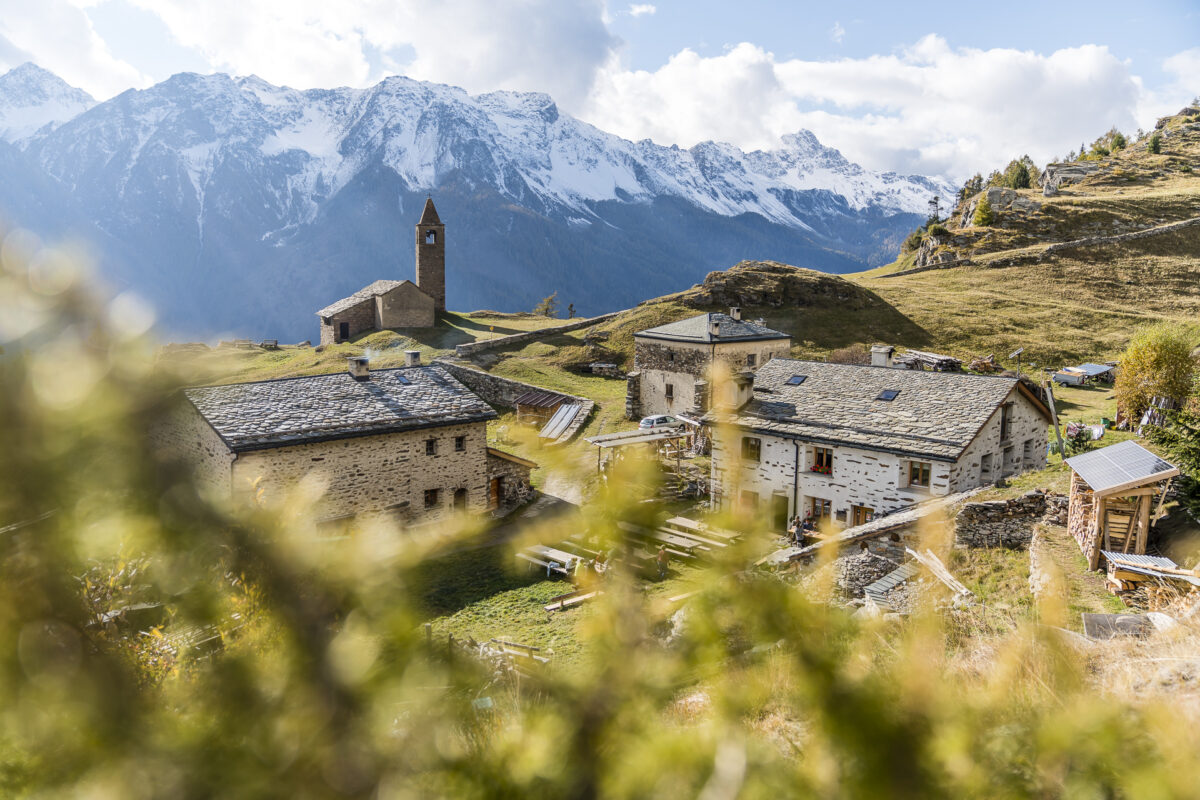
388,304
409,442
844,443
674,363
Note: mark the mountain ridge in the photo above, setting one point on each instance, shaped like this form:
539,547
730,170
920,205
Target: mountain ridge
230,187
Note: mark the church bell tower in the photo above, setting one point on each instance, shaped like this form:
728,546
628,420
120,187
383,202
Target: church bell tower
431,256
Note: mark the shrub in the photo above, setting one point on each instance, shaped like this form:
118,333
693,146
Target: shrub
913,240
937,229
1118,141
1157,363
984,215
1155,143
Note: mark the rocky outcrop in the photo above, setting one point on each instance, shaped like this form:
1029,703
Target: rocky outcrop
1055,176
1001,200
757,284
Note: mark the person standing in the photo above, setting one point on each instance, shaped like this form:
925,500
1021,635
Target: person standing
662,560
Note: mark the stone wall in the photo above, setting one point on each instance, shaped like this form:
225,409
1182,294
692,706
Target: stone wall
1007,523
388,472
361,317
471,348
605,369
406,306
516,488
498,391
681,364
185,435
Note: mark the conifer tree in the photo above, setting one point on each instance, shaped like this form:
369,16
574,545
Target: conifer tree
984,215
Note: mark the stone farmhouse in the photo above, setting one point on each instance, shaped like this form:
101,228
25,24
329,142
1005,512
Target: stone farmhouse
409,442
396,304
672,364
843,443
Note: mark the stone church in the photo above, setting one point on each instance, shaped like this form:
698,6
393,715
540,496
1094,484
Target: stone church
396,304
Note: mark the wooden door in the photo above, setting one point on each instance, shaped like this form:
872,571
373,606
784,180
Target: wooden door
495,492
861,515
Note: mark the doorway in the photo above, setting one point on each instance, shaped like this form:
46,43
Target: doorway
779,512
460,499
495,492
343,331
861,515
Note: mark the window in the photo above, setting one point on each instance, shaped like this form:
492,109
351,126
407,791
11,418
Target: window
985,466
431,498
431,447
670,357
751,360
796,380
670,391
888,395
751,448
1005,421
1027,451
749,500
430,237
918,473
460,443
819,508
823,460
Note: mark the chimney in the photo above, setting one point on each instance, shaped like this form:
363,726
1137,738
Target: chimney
881,355
736,312
358,367
714,327
412,358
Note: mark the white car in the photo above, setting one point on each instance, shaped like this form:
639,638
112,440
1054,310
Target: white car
659,422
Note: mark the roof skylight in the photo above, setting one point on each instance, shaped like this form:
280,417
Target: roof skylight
796,380
888,394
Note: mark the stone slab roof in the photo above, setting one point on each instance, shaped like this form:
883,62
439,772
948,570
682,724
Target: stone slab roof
934,415
697,329
369,292
429,215
278,413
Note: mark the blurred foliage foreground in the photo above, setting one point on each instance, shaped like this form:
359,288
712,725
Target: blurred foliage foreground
324,686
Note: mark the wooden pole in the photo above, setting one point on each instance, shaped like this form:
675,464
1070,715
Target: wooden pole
1062,450
1143,532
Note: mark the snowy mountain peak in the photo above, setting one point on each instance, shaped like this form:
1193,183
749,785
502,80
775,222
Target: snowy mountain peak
32,98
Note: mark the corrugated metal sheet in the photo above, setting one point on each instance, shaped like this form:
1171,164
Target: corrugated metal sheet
540,399
1124,465
1147,565
562,418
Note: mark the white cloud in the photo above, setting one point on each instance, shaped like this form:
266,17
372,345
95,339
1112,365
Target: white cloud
641,9
59,36
837,33
930,109
545,45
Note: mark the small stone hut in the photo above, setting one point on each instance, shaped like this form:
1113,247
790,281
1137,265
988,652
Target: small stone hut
1112,492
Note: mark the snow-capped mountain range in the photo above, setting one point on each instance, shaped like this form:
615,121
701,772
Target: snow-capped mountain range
238,205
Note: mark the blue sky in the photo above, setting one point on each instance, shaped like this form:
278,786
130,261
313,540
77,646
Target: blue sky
941,90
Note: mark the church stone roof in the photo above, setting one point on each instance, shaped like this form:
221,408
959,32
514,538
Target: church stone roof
366,293
429,216
698,329
290,411
934,415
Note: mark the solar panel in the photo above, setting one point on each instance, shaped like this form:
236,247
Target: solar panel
796,380
888,394
1122,465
